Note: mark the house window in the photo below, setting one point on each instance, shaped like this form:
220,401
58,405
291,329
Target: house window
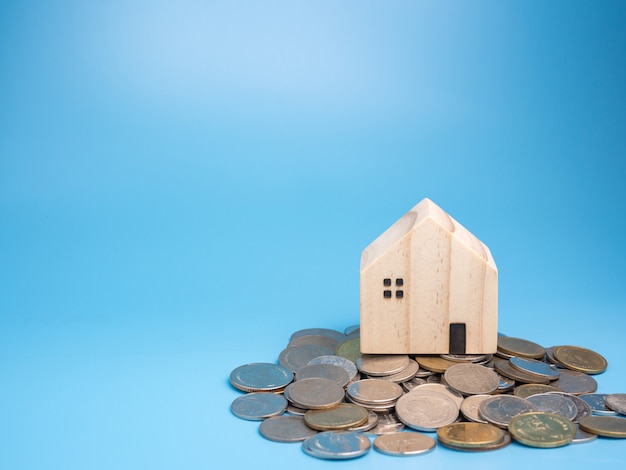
399,293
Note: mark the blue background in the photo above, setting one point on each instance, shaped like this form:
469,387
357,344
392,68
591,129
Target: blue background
184,184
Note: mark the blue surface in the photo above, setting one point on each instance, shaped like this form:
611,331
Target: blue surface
184,184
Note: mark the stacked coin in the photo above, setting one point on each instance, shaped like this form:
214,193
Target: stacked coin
325,393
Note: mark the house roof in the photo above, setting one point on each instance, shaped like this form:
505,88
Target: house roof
425,210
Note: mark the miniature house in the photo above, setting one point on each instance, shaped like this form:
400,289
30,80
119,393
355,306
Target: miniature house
428,286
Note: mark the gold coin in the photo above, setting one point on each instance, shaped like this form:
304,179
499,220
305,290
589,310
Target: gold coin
470,434
520,347
539,429
607,426
526,390
434,363
343,416
580,359
350,349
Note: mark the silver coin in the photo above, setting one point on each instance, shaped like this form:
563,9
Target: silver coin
411,384
296,357
318,331
583,407
325,371
441,388
286,429
553,403
534,367
387,423
597,402
337,445
404,443
616,402
469,408
471,379
501,409
351,330
506,384
315,394
405,374
582,437
426,410
258,405
374,392
347,364
574,382
317,340
466,357
372,421
382,364
261,377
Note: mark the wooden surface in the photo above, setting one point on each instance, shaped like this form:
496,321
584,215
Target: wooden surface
448,276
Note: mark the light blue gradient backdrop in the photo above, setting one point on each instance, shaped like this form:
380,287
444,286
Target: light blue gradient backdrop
183,184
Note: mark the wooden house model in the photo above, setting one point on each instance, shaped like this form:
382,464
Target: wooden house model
428,286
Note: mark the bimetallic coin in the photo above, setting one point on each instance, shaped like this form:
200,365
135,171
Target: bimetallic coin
607,426
574,382
520,347
597,402
580,359
404,443
534,367
337,445
469,407
315,394
286,429
350,349
382,364
258,405
470,434
260,377
538,429
340,417
555,404
501,409
426,410
347,364
296,357
471,379
325,371
616,402
526,390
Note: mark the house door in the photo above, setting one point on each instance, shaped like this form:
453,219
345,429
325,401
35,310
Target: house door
457,338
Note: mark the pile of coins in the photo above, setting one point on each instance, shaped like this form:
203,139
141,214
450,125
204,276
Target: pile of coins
324,393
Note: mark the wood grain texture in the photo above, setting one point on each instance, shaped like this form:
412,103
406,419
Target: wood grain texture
447,276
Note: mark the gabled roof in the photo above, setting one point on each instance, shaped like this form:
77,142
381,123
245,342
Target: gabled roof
423,212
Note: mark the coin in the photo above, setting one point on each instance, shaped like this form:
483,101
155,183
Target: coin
405,374
434,363
526,390
574,382
387,423
500,409
317,340
520,347
337,445
382,364
597,402
296,357
471,379
404,443
555,404
372,421
583,408
466,357
318,332
607,426
506,440
350,349
534,367
411,384
582,437
469,407
286,429
374,392
504,367
539,429
347,364
326,371
315,393
258,405
441,388
580,359
260,377
426,410
342,416
470,434
616,402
